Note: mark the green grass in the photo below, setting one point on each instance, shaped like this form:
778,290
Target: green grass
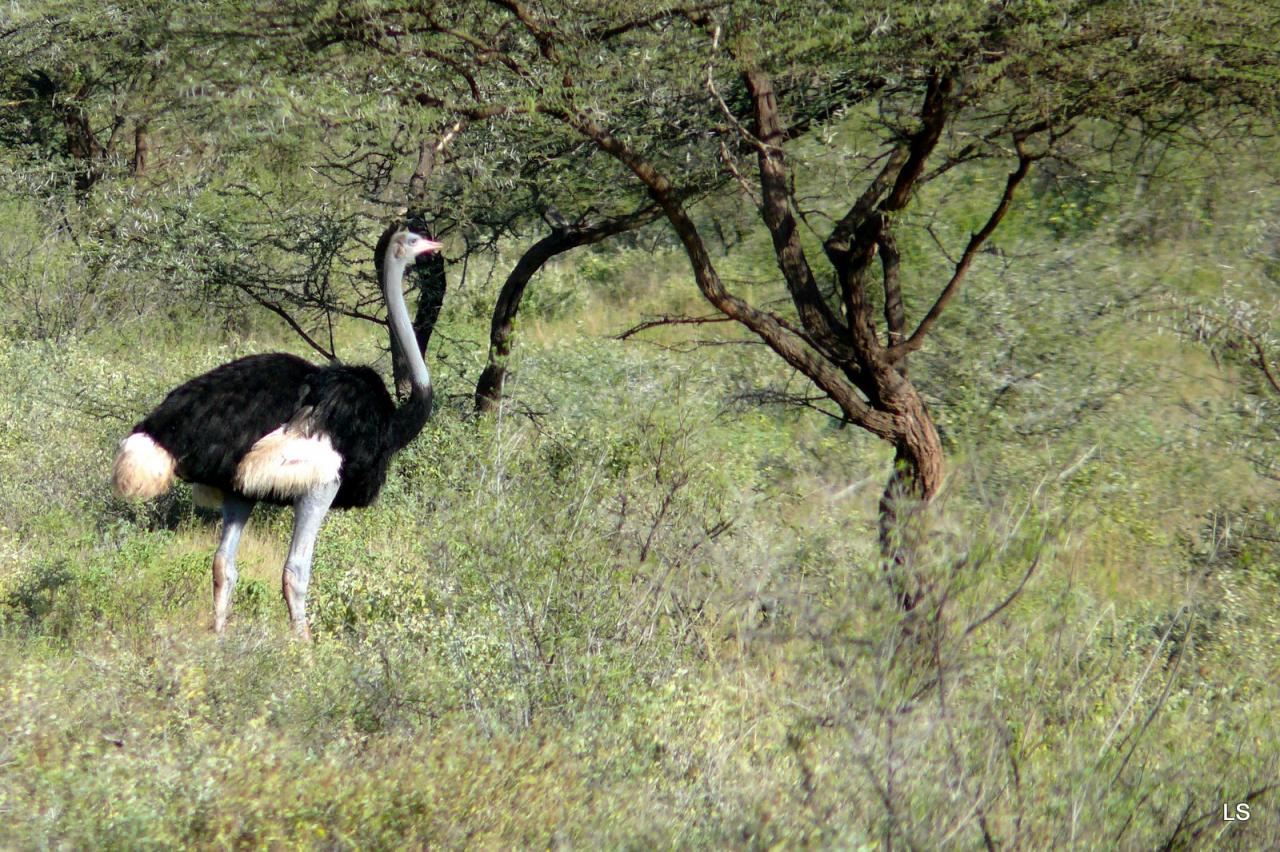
634,612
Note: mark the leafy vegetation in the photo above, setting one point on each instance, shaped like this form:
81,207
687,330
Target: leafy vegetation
643,601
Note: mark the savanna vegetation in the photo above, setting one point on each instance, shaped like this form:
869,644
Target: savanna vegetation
855,424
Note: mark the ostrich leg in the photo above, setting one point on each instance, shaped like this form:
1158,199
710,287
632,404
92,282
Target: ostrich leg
235,514
308,514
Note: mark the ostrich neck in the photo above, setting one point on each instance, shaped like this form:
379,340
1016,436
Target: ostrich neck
413,412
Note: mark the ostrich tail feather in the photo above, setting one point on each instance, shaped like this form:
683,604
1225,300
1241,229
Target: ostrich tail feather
143,469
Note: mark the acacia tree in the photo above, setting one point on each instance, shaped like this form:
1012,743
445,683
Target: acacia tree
667,91
476,184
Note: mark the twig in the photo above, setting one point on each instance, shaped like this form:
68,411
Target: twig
283,314
1263,361
1010,598
1066,474
668,319
1133,697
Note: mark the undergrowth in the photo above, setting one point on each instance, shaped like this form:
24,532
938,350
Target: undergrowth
639,609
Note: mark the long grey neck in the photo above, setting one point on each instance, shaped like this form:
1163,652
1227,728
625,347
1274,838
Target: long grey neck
413,413
398,315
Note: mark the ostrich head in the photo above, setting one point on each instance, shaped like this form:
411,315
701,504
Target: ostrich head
407,245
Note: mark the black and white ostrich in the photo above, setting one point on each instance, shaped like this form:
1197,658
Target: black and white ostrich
279,429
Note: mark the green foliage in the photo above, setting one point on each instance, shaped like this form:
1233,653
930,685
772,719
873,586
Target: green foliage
636,614
638,608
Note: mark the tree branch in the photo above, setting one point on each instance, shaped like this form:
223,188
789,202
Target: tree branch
694,14
842,234
771,396
668,319
560,240
933,118
1025,159
833,337
542,35
1263,361
789,346
293,324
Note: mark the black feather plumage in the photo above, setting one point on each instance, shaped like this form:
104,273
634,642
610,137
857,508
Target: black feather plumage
209,423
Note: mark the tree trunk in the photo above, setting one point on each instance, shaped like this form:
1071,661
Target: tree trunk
915,481
141,149
563,238
489,387
84,148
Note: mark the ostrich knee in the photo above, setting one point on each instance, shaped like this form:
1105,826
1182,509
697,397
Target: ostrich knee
294,587
224,583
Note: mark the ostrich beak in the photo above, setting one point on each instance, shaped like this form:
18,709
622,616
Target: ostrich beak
425,246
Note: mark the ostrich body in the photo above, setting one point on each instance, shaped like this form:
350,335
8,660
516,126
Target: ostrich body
279,429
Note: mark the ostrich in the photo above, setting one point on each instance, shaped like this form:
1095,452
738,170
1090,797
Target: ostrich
280,429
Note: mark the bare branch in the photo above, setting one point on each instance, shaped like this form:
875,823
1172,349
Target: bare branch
293,324
1009,598
727,158
1025,159
966,154
769,396
1263,361
669,319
